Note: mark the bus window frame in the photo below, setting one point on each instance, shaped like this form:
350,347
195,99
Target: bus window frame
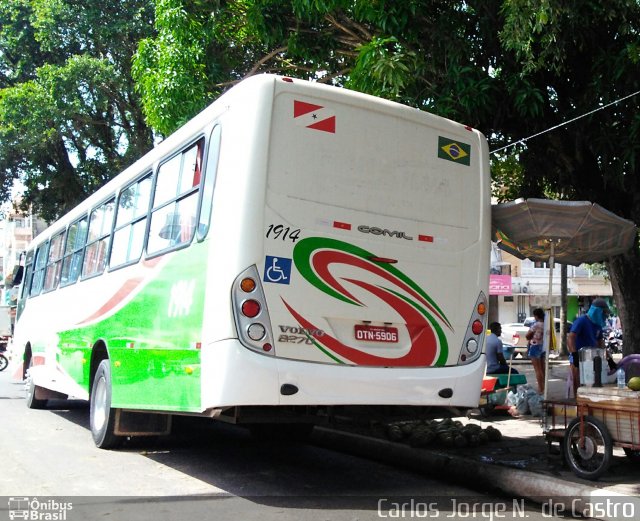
146,215
208,181
176,199
69,255
52,262
43,248
111,198
28,274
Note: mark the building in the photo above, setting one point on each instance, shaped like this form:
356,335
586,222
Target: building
17,229
518,286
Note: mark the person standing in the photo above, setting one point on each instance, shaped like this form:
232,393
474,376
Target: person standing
536,351
586,331
496,363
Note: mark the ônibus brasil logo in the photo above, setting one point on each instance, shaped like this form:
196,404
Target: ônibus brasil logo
38,510
314,257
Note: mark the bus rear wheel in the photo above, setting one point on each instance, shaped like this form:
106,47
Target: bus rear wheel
31,388
102,417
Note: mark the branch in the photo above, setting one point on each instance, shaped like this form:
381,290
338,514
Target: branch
366,35
264,60
329,77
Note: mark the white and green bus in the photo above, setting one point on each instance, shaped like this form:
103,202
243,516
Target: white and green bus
295,247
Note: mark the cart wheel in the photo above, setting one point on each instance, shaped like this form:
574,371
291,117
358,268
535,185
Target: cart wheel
632,454
591,457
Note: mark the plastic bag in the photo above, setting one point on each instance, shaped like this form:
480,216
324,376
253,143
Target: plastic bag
521,398
535,404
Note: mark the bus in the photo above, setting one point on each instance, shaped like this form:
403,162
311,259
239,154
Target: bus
293,249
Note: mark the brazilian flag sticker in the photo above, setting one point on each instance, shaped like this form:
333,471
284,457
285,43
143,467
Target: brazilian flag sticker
455,151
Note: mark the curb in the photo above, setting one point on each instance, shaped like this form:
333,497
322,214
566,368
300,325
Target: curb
535,487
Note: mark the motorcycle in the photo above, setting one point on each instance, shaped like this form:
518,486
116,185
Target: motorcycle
613,340
4,362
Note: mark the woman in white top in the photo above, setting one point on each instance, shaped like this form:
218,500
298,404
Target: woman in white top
536,352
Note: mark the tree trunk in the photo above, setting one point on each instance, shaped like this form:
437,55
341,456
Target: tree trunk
624,270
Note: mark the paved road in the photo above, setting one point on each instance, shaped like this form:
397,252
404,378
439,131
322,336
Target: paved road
209,468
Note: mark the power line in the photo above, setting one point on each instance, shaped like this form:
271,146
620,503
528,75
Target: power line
565,123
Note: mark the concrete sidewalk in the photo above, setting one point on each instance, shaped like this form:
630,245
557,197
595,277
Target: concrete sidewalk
520,465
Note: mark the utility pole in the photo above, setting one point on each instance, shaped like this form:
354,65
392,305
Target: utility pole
562,347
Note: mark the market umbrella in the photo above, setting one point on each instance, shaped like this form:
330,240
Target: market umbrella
569,232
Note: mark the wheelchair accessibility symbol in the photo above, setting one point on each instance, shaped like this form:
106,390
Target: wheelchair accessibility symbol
277,269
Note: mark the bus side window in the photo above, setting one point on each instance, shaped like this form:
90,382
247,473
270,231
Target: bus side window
175,202
72,262
54,262
38,270
131,222
209,182
28,275
95,257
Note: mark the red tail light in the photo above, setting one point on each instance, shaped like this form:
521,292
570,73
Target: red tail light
251,312
250,308
477,327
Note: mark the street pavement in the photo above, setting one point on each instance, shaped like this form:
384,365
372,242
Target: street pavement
520,465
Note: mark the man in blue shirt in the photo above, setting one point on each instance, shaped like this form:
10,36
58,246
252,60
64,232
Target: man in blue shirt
586,331
496,363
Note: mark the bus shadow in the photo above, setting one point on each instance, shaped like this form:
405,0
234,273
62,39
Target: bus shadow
75,411
288,475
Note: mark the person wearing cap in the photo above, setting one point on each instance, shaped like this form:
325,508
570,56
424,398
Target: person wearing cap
586,331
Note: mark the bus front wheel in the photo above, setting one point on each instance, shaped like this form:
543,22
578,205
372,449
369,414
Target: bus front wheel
102,417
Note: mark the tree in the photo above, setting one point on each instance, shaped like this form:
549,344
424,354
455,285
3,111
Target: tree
586,55
512,69
69,116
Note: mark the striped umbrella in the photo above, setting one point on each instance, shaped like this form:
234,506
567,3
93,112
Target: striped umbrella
568,232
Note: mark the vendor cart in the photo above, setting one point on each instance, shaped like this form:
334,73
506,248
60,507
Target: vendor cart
588,428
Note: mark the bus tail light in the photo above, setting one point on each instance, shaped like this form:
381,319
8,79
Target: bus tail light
250,308
250,312
474,337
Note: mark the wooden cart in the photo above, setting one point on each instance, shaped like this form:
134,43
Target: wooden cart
588,427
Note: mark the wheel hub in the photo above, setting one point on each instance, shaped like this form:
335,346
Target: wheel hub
587,449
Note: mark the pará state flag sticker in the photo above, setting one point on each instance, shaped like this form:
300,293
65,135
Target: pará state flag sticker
455,151
314,117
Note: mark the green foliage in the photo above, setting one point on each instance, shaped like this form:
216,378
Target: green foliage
170,68
383,67
69,119
507,176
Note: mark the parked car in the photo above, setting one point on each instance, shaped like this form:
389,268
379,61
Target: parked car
515,333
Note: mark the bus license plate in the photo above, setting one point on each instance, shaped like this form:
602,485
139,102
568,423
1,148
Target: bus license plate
368,333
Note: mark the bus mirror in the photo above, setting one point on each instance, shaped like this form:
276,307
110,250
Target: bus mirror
16,277
171,228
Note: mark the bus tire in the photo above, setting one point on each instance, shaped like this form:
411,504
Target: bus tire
102,417
31,388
